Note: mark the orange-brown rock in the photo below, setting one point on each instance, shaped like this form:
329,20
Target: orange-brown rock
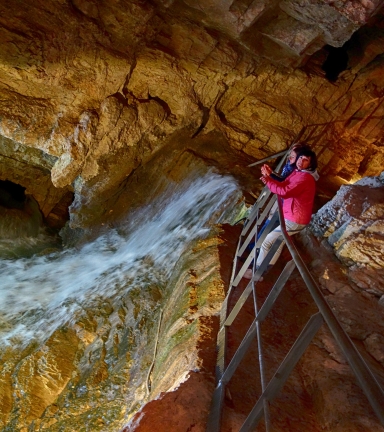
353,223
99,88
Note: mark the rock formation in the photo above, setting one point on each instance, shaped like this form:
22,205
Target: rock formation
90,91
352,223
105,103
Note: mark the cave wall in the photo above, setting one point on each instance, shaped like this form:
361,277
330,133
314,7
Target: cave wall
31,167
98,88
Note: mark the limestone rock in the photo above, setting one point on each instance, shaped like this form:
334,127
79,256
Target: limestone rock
94,369
323,15
375,346
36,179
106,90
353,223
368,278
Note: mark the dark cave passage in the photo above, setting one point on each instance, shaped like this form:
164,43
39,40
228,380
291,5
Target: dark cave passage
12,195
335,63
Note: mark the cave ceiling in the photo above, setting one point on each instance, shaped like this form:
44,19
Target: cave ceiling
91,90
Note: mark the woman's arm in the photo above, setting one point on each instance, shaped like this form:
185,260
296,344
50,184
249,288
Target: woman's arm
276,177
291,186
287,170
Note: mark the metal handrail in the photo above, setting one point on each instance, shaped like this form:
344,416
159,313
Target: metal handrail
243,242
283,152
364,375
274,156
362,371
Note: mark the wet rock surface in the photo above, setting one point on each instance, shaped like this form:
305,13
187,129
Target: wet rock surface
127,333
95,370
322,392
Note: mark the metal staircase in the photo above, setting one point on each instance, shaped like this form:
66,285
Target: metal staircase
226,369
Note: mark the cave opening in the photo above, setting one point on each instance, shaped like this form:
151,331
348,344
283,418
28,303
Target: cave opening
12,195
335,63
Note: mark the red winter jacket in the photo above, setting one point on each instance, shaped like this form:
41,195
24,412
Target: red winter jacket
298,191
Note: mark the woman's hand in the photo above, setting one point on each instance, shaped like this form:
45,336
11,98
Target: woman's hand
264,179
266,170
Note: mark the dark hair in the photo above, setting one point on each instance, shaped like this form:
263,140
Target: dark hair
309,153
297,148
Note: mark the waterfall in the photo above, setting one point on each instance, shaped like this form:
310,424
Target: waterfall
40,293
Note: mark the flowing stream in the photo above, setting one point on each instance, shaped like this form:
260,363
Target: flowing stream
40,292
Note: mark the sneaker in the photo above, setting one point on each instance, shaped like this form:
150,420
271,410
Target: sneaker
248,274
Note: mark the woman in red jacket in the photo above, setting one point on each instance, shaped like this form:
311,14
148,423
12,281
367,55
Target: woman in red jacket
298,192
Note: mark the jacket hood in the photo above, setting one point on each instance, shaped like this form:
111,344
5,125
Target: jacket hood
313,173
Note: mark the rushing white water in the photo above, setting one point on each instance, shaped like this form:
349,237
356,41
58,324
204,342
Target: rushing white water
40,293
